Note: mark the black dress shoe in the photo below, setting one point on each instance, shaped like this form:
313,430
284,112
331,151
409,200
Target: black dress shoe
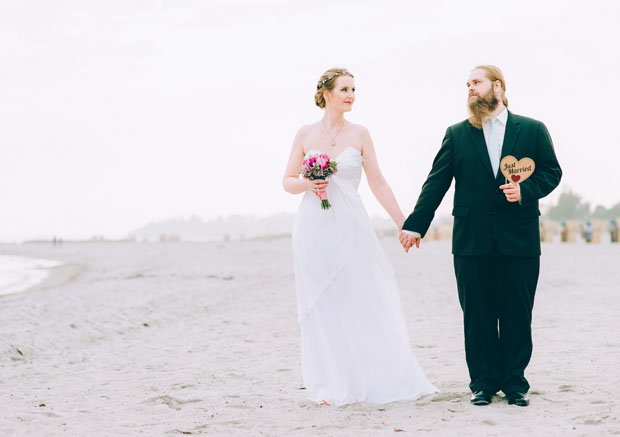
481,397
517,398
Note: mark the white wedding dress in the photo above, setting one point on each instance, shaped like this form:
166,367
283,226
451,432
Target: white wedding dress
355,346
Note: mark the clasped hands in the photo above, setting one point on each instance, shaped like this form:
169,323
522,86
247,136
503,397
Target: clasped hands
408,240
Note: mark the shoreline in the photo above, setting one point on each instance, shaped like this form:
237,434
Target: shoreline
34,272
19,273
57,276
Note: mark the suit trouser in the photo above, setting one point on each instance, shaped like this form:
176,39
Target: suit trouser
496,293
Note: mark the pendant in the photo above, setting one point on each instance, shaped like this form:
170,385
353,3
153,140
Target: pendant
333,143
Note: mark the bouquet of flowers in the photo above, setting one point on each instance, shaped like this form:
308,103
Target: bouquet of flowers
319,166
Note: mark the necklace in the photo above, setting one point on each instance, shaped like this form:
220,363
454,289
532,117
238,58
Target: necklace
333,142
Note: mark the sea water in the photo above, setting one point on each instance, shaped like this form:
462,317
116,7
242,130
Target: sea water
18,273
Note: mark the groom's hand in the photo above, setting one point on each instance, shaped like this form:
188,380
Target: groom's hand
408,241
512,192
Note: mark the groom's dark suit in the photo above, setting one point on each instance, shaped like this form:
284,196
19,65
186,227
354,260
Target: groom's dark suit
496,244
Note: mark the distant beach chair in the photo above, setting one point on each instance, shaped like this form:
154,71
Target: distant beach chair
547,231
598,227
571,229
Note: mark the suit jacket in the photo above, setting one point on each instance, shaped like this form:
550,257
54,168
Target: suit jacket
482,215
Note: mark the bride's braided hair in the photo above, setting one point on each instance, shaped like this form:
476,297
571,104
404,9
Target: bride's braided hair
327,83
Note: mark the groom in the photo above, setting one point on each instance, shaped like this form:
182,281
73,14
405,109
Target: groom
496,242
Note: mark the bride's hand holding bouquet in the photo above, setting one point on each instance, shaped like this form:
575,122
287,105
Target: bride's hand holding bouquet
316,169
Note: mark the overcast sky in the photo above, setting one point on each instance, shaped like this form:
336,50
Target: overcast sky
114,114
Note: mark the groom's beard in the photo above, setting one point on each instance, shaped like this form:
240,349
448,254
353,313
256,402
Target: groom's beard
482,107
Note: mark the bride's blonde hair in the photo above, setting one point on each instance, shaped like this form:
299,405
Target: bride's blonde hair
327,83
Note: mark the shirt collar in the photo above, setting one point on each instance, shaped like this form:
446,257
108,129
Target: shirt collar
502,117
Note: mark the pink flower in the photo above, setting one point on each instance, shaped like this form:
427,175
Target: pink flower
322,161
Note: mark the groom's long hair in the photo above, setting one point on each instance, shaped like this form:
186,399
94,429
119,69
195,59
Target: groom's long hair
482,109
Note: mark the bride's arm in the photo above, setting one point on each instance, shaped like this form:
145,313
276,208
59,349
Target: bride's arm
291,181
377,183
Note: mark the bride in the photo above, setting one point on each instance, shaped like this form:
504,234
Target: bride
355,346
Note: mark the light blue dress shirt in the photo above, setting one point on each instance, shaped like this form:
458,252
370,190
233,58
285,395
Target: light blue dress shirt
494,130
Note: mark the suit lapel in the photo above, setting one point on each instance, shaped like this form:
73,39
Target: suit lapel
510,138
477,138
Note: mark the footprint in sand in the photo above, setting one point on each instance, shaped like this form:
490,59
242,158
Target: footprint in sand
240,406
448,397
171,402
50,414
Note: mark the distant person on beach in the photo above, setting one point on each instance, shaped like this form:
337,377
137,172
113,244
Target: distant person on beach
496,237
613,230
563,231
588,231
354,340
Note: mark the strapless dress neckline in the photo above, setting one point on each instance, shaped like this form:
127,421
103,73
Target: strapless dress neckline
338,156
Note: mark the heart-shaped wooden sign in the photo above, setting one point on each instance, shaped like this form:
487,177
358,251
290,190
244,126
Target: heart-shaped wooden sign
516,171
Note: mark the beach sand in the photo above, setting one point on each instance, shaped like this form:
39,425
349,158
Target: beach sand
202,338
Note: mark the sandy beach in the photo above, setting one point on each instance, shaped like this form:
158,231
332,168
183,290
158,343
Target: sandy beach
202,338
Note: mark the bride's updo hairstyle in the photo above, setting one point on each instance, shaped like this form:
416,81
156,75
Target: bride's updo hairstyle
327,83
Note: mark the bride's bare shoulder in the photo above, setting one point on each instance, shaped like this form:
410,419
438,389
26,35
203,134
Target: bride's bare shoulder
358,128
307,129
311,126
